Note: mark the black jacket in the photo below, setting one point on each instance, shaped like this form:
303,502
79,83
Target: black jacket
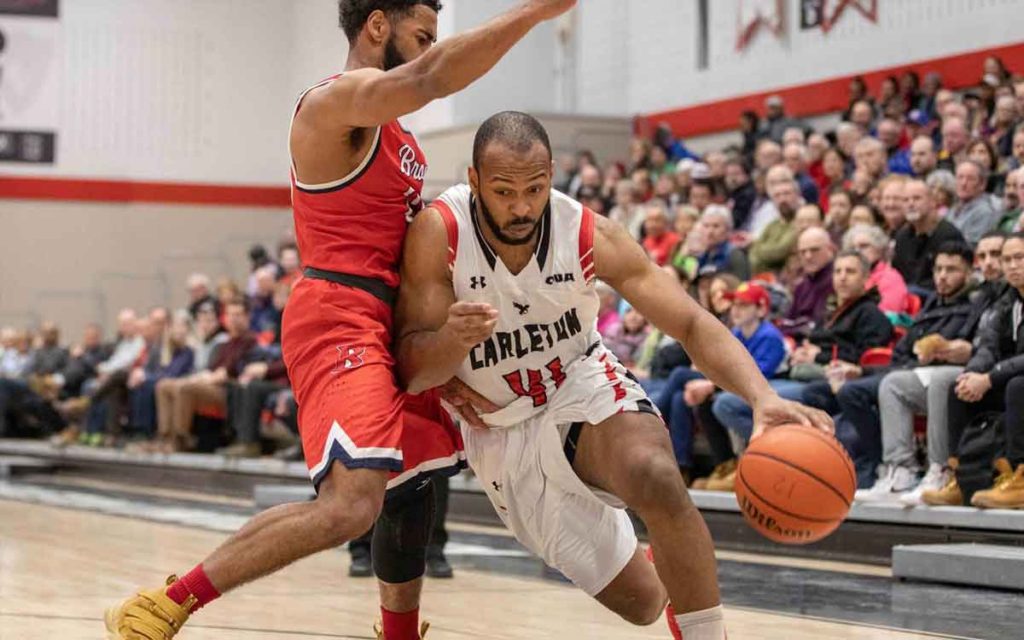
953,318
1000,350
854,328
742,203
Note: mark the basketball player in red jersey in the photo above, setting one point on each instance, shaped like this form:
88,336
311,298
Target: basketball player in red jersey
357,176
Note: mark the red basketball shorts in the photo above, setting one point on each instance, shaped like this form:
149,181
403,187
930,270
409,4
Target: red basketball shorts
336,343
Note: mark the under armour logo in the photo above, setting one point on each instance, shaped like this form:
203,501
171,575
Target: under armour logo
496,485
349,358
477,282
523,309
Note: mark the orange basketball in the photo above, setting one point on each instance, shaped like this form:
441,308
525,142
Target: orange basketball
795,484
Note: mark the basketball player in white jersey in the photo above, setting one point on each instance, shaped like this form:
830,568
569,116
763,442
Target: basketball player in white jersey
498,294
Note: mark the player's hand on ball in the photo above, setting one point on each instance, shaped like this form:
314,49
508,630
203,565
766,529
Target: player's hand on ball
467,402
471,322
774,411
548,9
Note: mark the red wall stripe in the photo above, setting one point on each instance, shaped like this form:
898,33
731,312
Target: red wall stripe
12,187
826,96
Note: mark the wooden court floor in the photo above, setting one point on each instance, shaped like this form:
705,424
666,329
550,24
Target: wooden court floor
59,568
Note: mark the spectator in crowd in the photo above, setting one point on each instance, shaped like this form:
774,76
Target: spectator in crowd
664,138
856,326
1000,129
178,399
741,190
771,250
955,137
255,389
109,396
950,314
833,176
659,239
869,158
811,294
716,225
775,120
768,155
840,206
50,358
807,216
83,360
873,244
848,136
659,163
258,258
1011,201
627,337
228,290
975,214
750,129
862,115
794,156
923,159
687,389
1017,160
199,292
289,263
918,242
981,152
627,210
17,355
858,91
890,135
168,356
866,214
263,316
942,184
893,202
994,381
701,192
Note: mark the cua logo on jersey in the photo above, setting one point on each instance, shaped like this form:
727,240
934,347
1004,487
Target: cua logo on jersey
408,164
560,278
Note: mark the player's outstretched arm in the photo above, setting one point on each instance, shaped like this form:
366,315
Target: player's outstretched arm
622,263
435,333
371,97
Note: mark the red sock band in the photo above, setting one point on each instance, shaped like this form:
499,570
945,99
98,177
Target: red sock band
194,583
401,626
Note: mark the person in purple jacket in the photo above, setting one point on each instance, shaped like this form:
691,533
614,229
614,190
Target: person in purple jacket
816,252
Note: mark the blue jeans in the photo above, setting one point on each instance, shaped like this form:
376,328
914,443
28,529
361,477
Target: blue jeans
736,415
676,414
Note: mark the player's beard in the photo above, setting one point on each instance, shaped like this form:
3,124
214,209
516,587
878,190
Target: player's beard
499,233
392,56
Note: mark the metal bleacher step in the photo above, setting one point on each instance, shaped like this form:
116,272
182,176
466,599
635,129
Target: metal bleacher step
981,565
14,465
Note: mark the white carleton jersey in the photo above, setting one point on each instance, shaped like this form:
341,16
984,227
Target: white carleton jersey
547,313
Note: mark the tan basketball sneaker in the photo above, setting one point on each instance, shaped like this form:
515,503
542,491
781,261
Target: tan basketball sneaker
719,473
380,631
1008,490
723,478
149,615
950,494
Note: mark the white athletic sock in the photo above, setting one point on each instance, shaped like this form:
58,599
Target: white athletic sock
708,624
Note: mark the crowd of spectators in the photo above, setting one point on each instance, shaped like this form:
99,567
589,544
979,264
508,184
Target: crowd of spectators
208,377
873,270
